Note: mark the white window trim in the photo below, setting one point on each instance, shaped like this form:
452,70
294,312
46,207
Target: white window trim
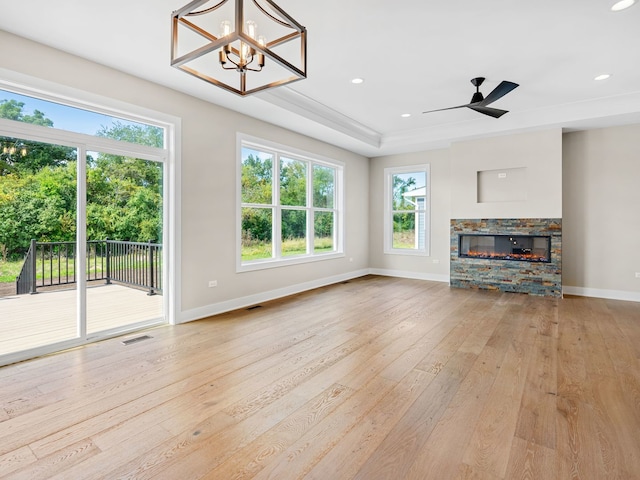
170,155
387,209
244,140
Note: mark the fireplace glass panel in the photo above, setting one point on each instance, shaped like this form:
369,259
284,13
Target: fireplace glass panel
527,248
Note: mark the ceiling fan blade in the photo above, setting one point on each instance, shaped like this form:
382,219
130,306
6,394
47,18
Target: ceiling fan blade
492,112
450,108
499,92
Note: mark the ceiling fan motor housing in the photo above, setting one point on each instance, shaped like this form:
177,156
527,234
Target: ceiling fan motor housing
477,97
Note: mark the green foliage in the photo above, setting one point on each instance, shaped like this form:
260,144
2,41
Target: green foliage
294,224
323,186
38,189
403,222
24,157
12,110
323,224
257,178
139,134
256,224
293,183
257,188
9,270
124,199
260,250
400,187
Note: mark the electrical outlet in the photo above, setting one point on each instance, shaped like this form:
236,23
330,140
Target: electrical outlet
435,260
637,274
213,283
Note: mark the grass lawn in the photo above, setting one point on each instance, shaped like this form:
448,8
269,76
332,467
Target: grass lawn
404,240
291,247
9,271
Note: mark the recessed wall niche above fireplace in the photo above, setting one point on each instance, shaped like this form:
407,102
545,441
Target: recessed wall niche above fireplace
511,255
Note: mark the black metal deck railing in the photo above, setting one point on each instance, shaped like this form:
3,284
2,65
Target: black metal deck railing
49,264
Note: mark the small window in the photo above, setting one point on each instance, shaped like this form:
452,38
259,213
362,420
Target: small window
406,210
289,206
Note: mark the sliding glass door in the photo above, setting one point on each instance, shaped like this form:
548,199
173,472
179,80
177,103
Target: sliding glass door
38,225
124,241
82,239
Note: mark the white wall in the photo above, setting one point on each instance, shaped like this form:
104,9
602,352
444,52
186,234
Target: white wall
412,265
208,159
538,153
601,198
601,225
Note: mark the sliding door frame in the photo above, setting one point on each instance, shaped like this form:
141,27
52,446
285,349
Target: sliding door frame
83,143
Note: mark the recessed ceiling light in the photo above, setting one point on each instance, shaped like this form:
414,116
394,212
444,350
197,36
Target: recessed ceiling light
357,81
622,4
405,115
604,76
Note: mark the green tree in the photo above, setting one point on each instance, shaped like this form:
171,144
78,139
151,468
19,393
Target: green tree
38,190
13,110
400,187
26,157
124,199
403,222
134,133
257,179
40,206
257,188
323,186
293,183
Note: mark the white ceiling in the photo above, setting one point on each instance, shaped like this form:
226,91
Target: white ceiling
414,55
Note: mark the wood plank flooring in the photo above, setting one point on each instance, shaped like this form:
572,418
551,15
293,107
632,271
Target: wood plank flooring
376,378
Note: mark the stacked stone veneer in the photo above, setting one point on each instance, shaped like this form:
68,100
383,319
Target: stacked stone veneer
534,278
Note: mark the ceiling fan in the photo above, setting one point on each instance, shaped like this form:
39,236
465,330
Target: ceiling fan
479,102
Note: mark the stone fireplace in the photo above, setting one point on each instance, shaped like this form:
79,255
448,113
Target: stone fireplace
511,255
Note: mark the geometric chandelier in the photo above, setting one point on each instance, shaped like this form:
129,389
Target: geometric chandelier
243,46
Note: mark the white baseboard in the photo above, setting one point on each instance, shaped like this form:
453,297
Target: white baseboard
243,302
601,293
433,277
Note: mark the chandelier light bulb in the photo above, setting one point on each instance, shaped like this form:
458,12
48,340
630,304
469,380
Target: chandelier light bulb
225,28
251,28
263,42
245,53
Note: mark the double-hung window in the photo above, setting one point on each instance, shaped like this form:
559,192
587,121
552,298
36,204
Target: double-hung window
407,206
290,205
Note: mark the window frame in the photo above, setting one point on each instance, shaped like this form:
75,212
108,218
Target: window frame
168,155
282,151
389,172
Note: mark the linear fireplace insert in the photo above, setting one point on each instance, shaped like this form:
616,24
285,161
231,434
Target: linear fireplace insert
524,248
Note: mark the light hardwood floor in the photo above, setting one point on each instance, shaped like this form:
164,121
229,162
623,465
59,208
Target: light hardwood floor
376,378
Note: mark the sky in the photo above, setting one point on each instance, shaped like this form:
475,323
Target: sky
65,117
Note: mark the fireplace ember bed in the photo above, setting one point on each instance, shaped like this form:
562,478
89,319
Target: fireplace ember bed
523,248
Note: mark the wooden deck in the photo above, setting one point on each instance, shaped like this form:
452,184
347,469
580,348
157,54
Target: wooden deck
29,321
